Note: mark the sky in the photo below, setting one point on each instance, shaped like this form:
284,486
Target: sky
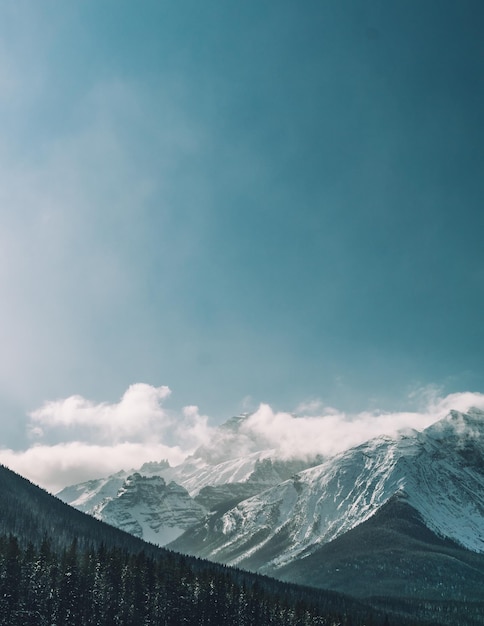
235,205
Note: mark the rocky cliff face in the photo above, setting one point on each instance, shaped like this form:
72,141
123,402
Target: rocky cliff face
147,507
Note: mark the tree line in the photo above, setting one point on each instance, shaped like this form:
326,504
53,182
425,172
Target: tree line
111,586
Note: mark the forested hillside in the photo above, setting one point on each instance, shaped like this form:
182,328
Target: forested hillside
111,586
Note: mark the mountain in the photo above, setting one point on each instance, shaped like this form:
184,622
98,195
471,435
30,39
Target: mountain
394,521
393,561
436,477
393,554
147,507
158,503
30,514
61,566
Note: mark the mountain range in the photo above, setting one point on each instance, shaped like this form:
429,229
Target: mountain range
61,566
399,517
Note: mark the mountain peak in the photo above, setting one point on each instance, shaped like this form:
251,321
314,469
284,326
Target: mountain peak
458,425
233,423
149,508
154,467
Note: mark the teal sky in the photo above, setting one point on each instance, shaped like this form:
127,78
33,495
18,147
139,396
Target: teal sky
252,201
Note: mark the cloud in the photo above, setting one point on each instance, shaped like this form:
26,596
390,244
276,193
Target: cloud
137,413
98,439
461,401
334,431
194,430
55,466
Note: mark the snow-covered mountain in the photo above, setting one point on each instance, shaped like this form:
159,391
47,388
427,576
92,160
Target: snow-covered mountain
241,505
157,502
399,516
149,508
439,473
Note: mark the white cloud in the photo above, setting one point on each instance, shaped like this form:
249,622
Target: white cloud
55,466
194,429
461,401
138,428
98,439
137,413
334,431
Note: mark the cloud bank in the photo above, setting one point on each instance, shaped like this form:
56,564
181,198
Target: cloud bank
56,466
100,439
332,431
137,413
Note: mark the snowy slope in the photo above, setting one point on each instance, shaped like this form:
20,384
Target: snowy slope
193,474
229,469
439,472
265,513
149,508
109,498
86,496
232,457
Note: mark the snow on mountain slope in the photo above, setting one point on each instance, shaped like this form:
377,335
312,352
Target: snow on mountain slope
311,508
447,484
86,496
440,472
150,509
193,474
231,458
395,554
109,498
266,513
156,502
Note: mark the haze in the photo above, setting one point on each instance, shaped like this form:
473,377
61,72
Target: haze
252,204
